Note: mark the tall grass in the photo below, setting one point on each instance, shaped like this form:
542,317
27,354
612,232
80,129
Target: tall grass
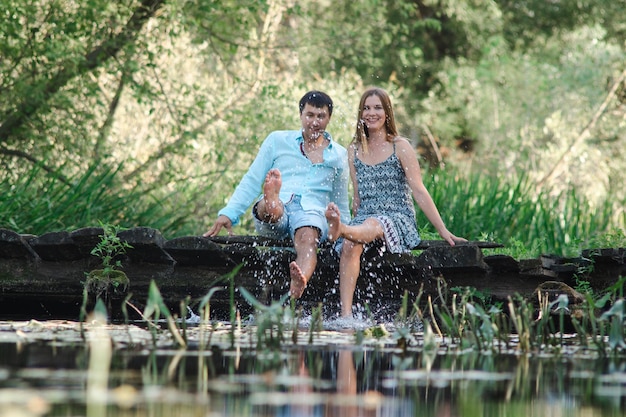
513,213
477,207
37,203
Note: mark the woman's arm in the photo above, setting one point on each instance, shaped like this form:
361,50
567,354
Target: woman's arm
411,166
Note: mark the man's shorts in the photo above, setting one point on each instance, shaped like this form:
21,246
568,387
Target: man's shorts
293,218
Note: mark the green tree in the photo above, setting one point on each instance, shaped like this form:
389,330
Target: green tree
530,21
51,48
148,112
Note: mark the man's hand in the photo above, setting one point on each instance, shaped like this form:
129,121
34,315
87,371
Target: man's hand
222,221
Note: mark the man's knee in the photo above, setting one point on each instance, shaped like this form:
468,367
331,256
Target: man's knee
307,233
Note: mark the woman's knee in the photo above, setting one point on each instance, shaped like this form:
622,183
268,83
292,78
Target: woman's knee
351,249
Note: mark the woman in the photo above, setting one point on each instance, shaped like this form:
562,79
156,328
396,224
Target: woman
384,172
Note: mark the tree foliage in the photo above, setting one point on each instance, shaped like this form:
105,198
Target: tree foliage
175,96
53,46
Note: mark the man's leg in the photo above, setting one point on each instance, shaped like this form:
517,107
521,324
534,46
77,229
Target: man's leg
269,209
305,242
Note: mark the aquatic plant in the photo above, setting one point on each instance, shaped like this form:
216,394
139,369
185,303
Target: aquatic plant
108,250
405,324
480,325
204,306
155,308
467,322
461,318
614,318
100,281
316,324
269,320
616,291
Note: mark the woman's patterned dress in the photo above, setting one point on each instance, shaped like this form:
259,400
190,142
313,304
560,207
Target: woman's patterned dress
386,196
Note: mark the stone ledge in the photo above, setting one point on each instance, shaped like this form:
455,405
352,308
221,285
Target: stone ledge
50,269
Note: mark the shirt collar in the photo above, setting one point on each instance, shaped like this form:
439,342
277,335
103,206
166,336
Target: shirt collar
327,135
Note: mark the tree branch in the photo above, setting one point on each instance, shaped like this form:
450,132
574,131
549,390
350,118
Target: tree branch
585,132
106,127
107,49
266,41
35,161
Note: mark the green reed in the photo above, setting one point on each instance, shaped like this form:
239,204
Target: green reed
512,212
457,320
316,323
156,307
269,320
527,221
462,316
462,319
38,203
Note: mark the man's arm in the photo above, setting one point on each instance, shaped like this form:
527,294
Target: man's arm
251,184
222,221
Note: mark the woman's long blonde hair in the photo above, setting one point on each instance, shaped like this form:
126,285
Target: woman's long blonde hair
360,138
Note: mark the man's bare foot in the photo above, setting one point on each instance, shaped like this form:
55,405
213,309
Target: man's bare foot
271,192
333,217
298,281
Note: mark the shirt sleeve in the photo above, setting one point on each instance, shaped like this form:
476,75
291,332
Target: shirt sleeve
250,186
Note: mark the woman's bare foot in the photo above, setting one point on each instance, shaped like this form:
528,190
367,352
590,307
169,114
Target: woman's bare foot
333,217
271,192
298,281
346,314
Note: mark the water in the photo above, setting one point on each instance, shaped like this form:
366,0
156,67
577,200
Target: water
50,369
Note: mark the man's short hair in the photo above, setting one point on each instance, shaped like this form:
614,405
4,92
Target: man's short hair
317,99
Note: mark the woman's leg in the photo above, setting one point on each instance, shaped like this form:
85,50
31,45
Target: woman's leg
349,269
350,259
366,232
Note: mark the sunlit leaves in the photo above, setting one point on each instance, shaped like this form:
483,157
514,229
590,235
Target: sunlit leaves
185,103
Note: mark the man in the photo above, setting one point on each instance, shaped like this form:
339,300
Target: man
301,171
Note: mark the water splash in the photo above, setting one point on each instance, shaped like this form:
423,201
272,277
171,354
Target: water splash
193,317
356,322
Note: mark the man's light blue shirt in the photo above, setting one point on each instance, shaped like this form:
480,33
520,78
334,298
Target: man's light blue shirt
317,184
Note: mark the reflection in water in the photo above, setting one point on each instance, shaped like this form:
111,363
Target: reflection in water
344,400
50,377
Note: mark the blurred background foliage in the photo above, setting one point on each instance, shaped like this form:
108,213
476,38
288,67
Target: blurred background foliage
148,112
